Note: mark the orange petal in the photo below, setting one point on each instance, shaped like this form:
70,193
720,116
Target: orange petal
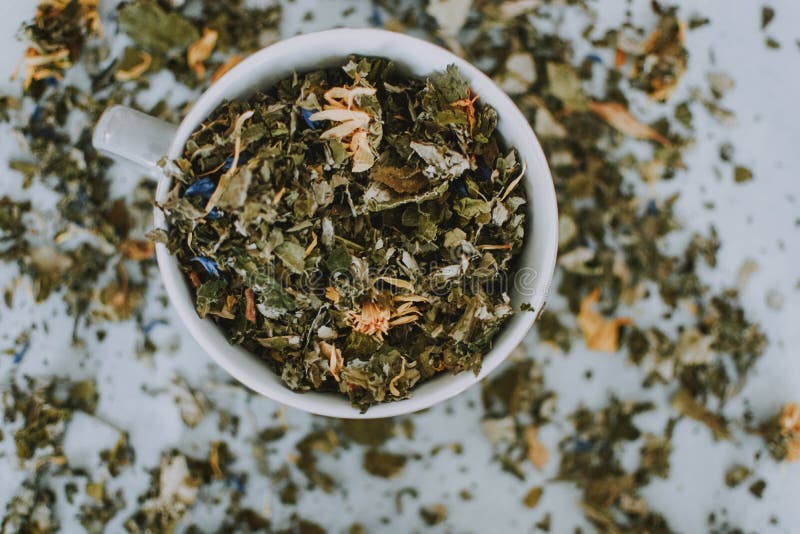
617,116
225,67
619,58
250,305
599,333
137,70
392,388
332,295
335,359
137,250
397,282
790,417
537,452
201,51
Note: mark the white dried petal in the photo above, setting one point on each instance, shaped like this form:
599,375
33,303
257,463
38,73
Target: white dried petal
519,73
546,126
450,15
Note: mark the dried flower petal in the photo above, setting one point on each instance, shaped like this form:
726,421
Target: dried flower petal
469,108
392,388
358,118
133,72
137,250
789,422
372,321
200,51
250,305
537,452
335,358
397,282
363,157
790,417
599,333
616,115
213,461
347,94
332,295
40,66
354,123
225,67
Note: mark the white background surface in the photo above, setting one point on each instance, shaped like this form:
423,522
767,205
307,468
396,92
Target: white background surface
757,220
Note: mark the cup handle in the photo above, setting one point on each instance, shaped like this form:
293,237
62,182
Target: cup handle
130,134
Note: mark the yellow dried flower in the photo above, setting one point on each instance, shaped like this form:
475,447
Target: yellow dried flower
376,320
372,321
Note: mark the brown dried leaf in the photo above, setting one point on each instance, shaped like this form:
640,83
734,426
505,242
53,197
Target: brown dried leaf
685,404
533,496
137,250
250,305
398,179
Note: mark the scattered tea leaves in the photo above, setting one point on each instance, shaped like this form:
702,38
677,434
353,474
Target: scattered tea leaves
533,496
742,174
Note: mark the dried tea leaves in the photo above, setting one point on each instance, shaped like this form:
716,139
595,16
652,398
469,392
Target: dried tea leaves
354,227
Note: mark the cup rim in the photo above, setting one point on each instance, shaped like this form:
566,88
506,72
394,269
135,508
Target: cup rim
245,366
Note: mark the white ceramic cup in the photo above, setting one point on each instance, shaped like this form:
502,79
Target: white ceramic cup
143,139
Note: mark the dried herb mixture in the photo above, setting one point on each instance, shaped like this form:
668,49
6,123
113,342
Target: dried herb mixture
616,118
355,227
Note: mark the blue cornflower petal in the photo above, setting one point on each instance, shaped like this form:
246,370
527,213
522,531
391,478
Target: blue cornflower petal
484,171
580,445
306,114
22,352
237,482
243,158
460,187
594,58
152,324
375,16
214,214
83,197
36,115
202,187
209,265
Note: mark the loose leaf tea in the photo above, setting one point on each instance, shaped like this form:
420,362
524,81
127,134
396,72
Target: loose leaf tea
355,227
617,120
